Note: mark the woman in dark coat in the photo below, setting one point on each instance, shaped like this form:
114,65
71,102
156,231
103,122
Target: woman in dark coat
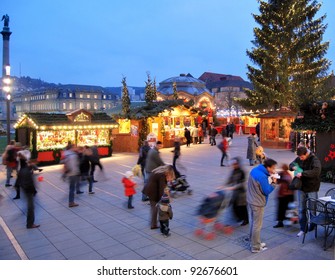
238,201
154,189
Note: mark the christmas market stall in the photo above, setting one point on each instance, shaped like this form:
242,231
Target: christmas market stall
48,134
161,121
275,128
314,127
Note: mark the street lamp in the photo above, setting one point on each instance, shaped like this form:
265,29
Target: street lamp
6,88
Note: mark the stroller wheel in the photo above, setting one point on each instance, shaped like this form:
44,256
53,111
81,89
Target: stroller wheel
173,194
189,192
228,229
210,236
199,232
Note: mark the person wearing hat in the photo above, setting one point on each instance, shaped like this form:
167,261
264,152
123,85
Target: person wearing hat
129,187
165,213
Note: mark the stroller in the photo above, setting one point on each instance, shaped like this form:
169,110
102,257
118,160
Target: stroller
208,213
180,184
260,154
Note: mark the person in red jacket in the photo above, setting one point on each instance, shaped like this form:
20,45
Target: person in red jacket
129,187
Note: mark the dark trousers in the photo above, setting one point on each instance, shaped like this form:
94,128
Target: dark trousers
241,212
130,201
224,154
93,165
164,226
282,206
30,209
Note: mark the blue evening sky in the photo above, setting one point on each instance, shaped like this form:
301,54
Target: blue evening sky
98,42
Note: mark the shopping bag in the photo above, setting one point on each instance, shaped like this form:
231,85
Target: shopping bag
137,170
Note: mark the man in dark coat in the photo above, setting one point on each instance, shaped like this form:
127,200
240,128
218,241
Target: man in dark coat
25,180
310,177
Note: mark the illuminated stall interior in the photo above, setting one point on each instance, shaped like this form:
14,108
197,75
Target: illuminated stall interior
44,132
275,128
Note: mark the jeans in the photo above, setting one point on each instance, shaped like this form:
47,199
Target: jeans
74,185
302,197
224,154
256,214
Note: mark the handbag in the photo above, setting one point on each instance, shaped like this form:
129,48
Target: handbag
296,184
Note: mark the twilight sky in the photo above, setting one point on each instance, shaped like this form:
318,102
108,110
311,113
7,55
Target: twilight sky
99,42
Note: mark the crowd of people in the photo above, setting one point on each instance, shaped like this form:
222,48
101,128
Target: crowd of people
250,192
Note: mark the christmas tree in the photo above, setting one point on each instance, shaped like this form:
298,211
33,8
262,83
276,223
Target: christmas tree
125,99
289,53
150,91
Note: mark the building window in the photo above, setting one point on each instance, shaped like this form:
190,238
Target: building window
81,105
70,106
88,96
81,95
95,96
104,96
88,106
64,94
95,106
70,95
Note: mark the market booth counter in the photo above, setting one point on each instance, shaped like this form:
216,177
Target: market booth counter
275,129
47,135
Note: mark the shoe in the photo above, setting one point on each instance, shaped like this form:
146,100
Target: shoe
79,192
33,226
280,224
8,185
244,223
260,250
91,193
40,170
16,197
222,165
167,235
73,204
300,233
94,181
130,207
263,245
155,227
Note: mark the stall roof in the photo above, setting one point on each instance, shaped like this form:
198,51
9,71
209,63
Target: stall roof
283,112
47,119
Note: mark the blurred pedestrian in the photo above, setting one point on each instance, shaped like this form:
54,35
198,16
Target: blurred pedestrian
284,195
25,180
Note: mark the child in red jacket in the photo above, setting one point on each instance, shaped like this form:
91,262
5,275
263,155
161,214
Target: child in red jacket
129,187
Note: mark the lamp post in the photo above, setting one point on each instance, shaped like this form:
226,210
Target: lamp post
6,88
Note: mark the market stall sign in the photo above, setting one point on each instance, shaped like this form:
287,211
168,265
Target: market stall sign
82,118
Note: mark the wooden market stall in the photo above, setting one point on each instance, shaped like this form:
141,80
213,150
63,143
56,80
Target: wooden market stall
163,121
48,134
275,128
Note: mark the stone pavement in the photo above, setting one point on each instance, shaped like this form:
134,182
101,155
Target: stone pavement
103,228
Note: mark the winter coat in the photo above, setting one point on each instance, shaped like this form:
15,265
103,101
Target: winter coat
252,145
153,160
310,178
129,186
259,187
164,211
154,189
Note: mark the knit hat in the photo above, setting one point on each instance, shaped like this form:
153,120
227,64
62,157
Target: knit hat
165,199
129,174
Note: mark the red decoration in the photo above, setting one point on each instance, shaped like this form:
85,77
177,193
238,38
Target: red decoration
40,178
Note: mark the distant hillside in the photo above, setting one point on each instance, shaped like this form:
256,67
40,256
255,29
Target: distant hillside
30,84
